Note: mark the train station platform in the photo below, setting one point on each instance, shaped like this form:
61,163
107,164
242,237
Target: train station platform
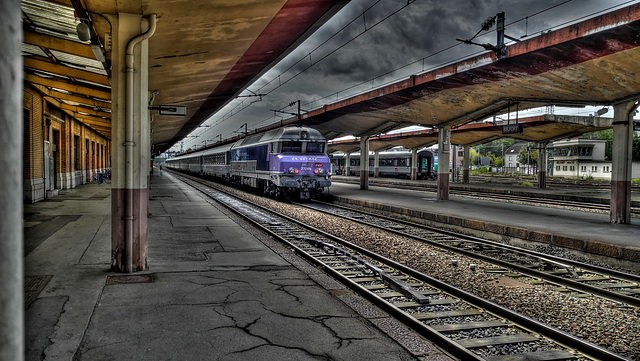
216,289
573,229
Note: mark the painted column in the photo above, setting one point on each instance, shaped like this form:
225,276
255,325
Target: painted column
444,149
620,211
414,163
466,163
364,162
11,183
376,164
130,143
347,164
542,165
454,164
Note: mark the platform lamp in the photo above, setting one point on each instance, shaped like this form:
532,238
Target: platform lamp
84,33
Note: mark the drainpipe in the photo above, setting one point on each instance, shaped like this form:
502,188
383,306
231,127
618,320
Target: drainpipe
129,143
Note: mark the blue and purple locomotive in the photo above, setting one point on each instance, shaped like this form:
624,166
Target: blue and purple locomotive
284,162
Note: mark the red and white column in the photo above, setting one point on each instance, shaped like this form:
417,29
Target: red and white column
130,143
376,164
414,164
466,163
620,210
444,149
542,165
364,162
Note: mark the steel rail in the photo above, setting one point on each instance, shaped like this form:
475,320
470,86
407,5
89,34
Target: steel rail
579,286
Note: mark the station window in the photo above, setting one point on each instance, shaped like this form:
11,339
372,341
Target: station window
594,168
605,169
564,168
558,168
583,168
572,168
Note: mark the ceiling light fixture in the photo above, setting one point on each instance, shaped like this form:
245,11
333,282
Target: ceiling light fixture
84,33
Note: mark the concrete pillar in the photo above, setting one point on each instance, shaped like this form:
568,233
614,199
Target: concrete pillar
11,180
542,165
414,163
347,164
454,164
376,164
620,211
466,163
131,144
364,163
444,149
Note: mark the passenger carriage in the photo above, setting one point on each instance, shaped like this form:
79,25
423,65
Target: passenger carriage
391,164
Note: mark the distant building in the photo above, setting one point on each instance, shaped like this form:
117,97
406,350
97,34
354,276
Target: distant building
583,158
511,162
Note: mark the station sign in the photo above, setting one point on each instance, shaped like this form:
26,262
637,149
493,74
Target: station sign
517,128
177,110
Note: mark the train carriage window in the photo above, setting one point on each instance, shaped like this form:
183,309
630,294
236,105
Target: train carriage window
291,147
315,147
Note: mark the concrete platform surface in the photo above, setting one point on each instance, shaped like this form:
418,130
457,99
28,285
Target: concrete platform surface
214,290
570,228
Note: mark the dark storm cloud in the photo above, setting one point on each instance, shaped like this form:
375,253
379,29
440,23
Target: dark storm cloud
418,31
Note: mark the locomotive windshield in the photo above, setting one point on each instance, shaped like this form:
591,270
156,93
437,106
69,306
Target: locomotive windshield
315,147
291,147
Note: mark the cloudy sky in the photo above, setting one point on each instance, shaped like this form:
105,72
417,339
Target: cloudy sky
373,42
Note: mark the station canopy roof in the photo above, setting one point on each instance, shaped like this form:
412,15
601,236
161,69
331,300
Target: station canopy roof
544,128
594,62
203,53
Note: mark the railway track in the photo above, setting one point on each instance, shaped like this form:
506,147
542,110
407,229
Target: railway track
560,272
465,325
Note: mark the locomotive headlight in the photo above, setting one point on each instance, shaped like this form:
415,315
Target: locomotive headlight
291,170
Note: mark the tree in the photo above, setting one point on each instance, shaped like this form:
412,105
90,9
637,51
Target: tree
473,156
495,149
496,160
527,157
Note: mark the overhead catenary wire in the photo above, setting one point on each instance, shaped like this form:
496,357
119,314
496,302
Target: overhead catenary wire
240,107
335,50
